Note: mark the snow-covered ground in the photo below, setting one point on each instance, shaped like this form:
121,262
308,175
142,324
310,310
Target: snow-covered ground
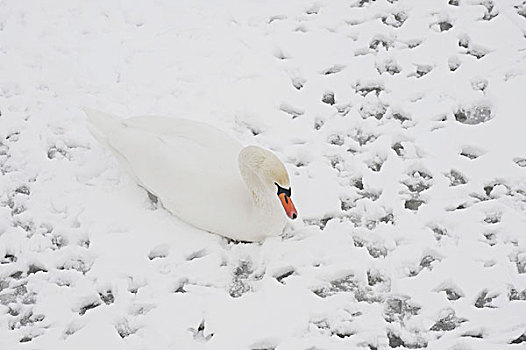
401,123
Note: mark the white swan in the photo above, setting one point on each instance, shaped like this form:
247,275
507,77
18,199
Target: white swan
201,174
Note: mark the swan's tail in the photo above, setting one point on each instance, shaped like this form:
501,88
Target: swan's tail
102,124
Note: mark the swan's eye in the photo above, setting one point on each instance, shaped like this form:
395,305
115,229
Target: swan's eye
287,191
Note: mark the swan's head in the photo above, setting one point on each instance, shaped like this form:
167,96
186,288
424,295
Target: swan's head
272,174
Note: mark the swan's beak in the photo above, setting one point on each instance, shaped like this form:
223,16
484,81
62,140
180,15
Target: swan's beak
289,207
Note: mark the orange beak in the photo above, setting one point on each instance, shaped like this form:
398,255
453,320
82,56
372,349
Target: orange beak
289,207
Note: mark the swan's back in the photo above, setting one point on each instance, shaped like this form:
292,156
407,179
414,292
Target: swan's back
191,166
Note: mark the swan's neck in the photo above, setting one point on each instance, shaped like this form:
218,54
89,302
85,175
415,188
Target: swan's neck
258,190
266,211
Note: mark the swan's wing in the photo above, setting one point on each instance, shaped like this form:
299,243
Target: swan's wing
190,166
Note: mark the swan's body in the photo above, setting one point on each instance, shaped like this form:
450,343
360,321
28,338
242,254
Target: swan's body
199,173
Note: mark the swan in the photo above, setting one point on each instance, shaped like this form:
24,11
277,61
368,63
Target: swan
201,174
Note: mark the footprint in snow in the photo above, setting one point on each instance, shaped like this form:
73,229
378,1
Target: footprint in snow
199,333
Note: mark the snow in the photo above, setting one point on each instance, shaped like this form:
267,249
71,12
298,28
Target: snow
400,122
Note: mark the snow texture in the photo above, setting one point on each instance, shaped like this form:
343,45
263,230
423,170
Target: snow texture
401,123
